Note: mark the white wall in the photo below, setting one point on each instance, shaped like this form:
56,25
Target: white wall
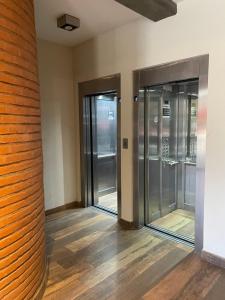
199,28
58,123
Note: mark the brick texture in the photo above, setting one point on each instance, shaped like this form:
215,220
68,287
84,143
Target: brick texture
22,237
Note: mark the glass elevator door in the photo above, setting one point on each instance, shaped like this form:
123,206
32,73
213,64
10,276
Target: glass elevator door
170,157
104,151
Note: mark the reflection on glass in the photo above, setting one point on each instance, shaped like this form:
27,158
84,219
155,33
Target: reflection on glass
192,128
106,124
105,144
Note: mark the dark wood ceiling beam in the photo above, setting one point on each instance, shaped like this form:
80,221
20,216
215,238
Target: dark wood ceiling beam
154,10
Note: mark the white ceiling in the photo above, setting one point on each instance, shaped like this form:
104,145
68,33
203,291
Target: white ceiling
97,16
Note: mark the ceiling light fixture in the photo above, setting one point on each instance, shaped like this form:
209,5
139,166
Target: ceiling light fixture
68,22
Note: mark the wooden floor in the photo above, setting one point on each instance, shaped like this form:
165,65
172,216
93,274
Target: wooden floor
179,221
109,201
92,258
192,279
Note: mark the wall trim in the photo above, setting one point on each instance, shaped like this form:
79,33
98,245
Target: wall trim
128,225
71,205
213,259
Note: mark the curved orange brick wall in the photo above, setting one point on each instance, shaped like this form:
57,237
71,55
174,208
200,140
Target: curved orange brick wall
22,238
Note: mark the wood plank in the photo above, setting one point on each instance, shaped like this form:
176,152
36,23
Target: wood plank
93,258
89,250
134,280
109,201
179,221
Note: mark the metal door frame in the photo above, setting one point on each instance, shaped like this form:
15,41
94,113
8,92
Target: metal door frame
191,68
86,89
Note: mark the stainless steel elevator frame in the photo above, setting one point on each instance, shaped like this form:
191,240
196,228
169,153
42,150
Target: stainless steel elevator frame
192,68
89,88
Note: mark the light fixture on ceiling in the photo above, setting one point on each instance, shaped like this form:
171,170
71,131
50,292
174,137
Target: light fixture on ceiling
68,22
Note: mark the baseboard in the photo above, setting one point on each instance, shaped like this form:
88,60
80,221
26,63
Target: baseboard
213,259
128,225
63,207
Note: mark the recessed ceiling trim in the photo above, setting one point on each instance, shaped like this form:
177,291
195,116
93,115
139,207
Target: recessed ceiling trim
154,10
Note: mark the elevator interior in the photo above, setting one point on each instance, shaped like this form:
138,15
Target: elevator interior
102,115
170,157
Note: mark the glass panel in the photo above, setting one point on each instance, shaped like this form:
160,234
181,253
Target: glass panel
106,124
169,148
192,127
154,97
170,159
191,149
105,145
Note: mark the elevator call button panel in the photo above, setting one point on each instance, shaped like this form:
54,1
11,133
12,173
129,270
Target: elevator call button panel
125,143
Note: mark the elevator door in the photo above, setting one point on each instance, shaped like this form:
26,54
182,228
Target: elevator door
170,157
104,151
